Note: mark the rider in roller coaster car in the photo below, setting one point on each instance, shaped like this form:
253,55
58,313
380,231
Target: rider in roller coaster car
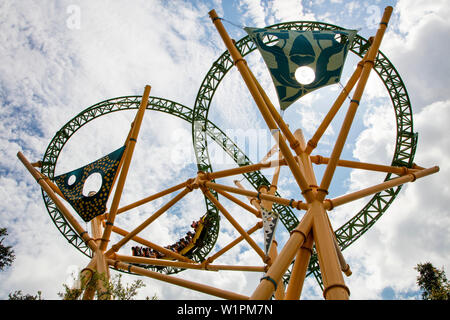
176,247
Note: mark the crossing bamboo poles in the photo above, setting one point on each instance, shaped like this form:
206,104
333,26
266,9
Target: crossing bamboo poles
234,223
368,64
239,202
186,265
253,200
309,172
125,166
299,269
273,246
152,197
312,143
232,244
298,204
261,103
300,266
327,251
274,274
152,245
328,257
178,281
114,248
63,209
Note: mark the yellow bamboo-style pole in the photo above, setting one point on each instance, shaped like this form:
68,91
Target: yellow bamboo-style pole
235,171
316,159
64,211
298,273
326,243
86,277
253,200
286,202
368,64
147,222
103,272
239,202
157,262
233,243
305,159
234,223
272,188
273,276
345,268
219,267
119,167
301,263
52,185
184,265
332,203
125,166
333,281
152,197
262,106
178,281
312,143
270,153
152,245
294,144
273,253
101,265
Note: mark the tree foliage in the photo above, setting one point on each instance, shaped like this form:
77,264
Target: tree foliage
6,253
18,295
432,282
114,288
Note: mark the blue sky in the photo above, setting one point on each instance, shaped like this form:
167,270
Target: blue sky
60,57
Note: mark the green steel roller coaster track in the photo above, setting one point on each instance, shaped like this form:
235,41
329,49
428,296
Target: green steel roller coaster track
202,128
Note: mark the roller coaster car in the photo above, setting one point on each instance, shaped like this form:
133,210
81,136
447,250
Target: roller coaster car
195,240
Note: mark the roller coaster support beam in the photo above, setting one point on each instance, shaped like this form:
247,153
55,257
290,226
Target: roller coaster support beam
368,65
276,271
65,212
259,100
101,265
148,221
286,202
232,244
299,269
177,281
152,197
312,143
152,245
234,223
410,177
185,265
316,159
125,166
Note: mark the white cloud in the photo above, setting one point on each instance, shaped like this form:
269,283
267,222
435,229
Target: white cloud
254,10
417,49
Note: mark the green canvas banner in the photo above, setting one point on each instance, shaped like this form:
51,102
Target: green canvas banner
71,185
285,51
